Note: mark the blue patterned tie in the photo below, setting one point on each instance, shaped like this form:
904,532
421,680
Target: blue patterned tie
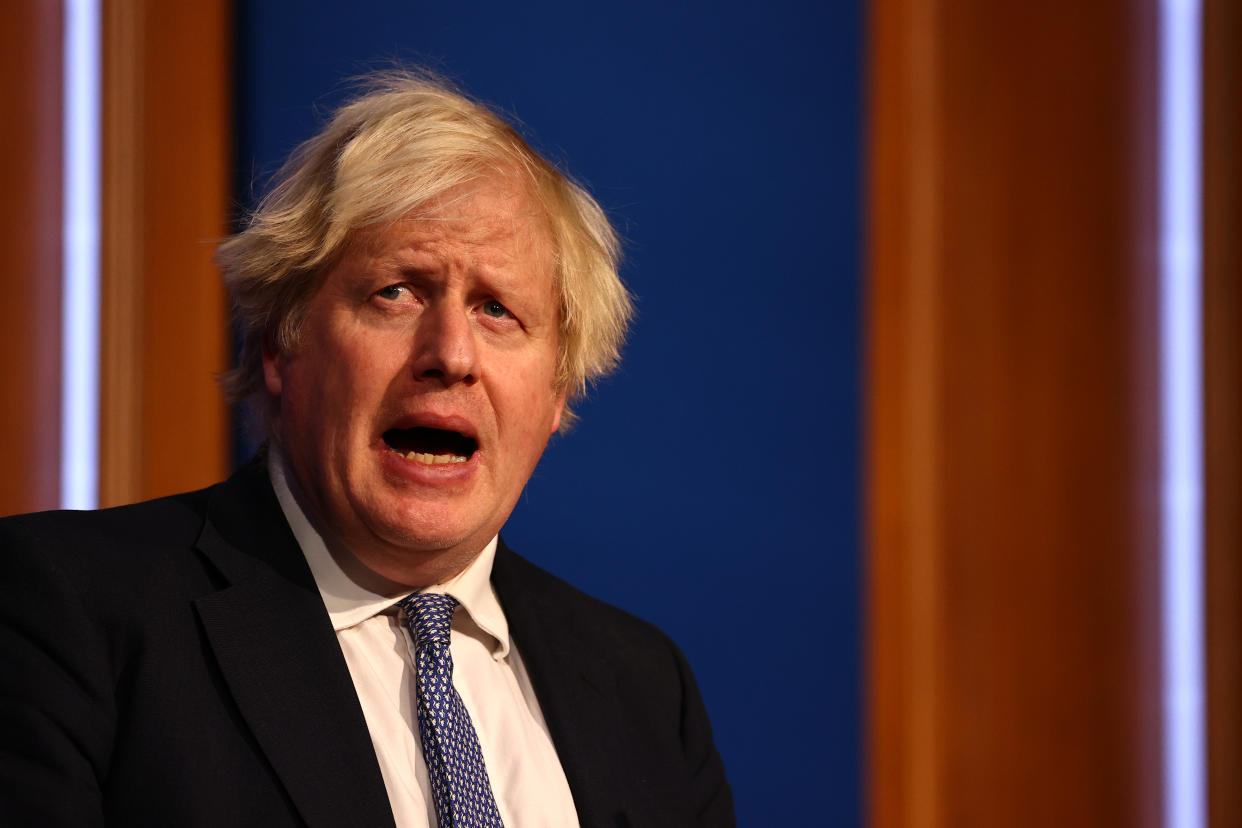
459,783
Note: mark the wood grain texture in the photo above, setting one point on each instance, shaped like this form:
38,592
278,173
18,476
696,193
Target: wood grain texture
1013,466
167,88
30,236
1222,317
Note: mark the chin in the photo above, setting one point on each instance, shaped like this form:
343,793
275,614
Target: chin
418,533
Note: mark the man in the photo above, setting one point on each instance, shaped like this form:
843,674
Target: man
336,635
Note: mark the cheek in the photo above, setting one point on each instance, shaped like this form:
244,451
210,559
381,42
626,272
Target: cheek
332,383
532,413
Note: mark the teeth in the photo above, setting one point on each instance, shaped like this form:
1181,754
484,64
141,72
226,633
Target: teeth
434,459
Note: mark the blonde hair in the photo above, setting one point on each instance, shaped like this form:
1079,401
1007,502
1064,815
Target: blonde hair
406,139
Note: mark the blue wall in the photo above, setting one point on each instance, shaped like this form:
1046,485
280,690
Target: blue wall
712,485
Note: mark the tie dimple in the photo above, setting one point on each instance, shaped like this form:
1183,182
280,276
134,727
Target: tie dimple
459,784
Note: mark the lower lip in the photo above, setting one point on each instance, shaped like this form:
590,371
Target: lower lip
437,474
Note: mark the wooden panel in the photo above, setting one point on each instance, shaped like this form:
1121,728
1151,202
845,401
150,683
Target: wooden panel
30,236
166,99
1013,445
1222,263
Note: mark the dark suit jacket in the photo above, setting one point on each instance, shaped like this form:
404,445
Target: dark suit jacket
172,663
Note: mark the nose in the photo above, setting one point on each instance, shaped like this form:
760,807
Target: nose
444,345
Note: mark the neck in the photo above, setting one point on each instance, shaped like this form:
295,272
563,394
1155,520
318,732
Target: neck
393,572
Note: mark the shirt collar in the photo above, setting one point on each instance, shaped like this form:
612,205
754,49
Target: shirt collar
349,604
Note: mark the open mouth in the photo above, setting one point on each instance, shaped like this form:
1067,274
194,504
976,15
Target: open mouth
431,446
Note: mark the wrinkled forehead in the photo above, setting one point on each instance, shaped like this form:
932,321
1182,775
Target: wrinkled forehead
497,212
485,208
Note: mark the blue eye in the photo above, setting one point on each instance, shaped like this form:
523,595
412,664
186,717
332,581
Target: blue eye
495,310
391,293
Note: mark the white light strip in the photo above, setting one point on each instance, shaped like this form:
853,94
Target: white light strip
1181,414
79,424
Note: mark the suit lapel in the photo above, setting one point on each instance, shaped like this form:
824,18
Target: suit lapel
576,688
275,646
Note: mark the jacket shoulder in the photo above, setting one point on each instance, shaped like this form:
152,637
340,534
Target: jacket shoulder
174,520
553,595
665,737
117,550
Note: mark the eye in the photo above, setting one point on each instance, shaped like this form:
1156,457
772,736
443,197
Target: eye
392,293
495,310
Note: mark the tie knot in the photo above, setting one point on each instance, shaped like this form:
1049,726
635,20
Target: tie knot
429,616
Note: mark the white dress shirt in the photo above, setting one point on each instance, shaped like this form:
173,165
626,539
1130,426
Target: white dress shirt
522,764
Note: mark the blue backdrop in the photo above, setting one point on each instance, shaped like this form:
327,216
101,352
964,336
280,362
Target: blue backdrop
712,485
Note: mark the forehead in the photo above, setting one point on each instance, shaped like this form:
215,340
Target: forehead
494,213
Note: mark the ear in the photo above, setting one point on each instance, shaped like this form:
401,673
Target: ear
556,415
273,369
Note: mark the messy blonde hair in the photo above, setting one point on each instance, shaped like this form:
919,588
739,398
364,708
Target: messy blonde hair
407,138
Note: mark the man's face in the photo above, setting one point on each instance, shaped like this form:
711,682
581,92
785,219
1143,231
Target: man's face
421,392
